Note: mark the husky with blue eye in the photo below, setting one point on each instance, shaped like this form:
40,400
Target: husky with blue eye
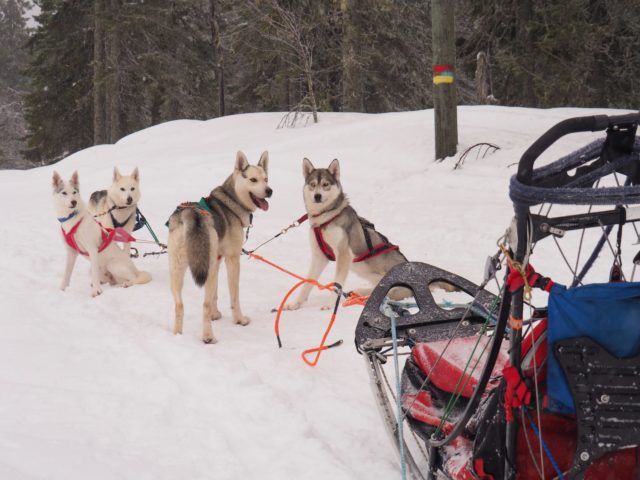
338,234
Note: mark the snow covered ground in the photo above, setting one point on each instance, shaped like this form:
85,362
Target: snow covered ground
101,389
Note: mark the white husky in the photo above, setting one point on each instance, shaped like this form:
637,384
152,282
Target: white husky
83,235
116,207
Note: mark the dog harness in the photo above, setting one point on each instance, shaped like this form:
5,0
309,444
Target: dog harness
203,208
108,234
372,251
116,223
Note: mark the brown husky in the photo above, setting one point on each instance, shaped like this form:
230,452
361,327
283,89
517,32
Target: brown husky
201,234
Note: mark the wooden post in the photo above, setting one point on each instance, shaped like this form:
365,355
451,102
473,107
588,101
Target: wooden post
444,86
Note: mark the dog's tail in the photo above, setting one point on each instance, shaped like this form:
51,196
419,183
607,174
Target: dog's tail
197,242
143,277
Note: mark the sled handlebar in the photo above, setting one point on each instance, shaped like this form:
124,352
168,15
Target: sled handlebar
594,123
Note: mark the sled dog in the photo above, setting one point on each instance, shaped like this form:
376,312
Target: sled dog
338,234
116,207
203,233
84,235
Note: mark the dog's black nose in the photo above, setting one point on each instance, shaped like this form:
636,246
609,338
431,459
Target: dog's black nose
129,200
317,197
73,203
269,192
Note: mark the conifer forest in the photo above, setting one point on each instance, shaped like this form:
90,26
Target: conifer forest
75,73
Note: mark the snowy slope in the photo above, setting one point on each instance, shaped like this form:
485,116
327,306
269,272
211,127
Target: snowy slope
101,389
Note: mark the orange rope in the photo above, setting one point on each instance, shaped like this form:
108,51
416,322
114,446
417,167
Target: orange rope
355,299
322,346
302,281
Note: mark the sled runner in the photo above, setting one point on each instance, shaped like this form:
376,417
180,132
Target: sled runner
534,378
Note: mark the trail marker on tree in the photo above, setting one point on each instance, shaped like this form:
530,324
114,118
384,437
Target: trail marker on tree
444,86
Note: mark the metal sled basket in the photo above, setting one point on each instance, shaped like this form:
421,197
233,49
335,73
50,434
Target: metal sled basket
503,387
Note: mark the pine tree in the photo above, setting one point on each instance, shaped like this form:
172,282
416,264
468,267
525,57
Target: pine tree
13,58
555,53
101,69
59,106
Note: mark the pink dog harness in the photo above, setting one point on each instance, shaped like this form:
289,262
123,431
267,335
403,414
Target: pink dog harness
108,235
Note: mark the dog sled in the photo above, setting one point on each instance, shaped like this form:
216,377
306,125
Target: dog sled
538,375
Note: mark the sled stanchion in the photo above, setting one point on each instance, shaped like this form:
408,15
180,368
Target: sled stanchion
388,311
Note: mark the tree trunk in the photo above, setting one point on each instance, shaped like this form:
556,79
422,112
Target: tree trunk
352,98
114,85
219,56
444,87
99,110
311,93
524,47
482,79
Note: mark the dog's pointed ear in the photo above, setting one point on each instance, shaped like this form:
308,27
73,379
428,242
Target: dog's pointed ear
334,168
307,167
264,162
74,179
56,181
241,161
136,174
116,174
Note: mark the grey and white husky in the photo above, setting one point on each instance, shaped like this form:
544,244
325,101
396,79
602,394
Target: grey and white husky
202,234
338,233
83,235
116,207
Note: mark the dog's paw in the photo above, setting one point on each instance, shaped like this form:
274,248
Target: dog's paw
209,339
126,284
96,291
63,286
328,306
293,306
242,320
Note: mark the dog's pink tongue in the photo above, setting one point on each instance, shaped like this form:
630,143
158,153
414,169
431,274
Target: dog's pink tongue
263,204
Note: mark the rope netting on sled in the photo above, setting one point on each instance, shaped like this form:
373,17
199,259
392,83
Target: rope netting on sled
518,384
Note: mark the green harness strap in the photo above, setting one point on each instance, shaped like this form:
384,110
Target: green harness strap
200,205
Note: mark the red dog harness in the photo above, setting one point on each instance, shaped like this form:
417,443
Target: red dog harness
373,251
108,235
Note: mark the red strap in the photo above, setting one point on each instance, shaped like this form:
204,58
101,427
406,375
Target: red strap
516,394
375,251
324,246
108,235
70,237
478,466
326,249
107,238
515,280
